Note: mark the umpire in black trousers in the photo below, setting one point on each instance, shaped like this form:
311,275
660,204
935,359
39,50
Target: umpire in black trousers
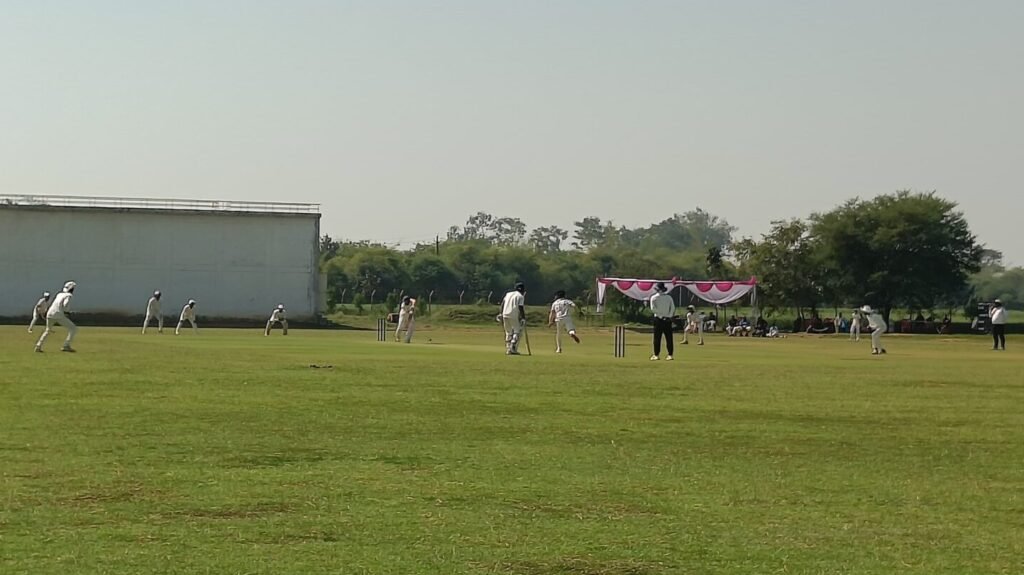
664,309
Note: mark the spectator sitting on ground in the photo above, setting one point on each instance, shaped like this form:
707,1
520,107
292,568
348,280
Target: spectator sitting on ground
732,326
945,327
711,322
761,327
774,332
744,327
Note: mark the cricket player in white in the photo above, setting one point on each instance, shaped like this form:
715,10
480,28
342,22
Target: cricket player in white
877,325
56,316
153,311
406,319
39,312
560,316
187,313
694,324
513,317
277,316
855,320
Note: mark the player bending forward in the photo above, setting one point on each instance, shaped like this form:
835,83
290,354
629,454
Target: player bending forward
694,324
513,317
406,319
153,312
877,326
188,313
561,317
39,312
277,316
56,316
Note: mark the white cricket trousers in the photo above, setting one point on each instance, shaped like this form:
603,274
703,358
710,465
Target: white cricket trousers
159,322
876,337
561,325
512,330
35,318
407,324
270,325
58,319
696,327
181,322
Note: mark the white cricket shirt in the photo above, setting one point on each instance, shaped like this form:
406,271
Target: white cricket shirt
61,304
998,315
510,305
562,308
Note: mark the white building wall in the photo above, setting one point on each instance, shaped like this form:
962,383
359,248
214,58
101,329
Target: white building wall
235,265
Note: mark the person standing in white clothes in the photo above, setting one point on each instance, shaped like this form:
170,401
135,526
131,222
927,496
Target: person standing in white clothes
997,317
406,319
877,326
513,317
56,315
694,324
153,312
855,320
277,316
560,316
39,312
664,310
188,313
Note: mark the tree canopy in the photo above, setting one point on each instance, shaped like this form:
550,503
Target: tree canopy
910,250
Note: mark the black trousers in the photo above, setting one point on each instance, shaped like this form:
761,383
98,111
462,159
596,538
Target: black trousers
663,326
998,336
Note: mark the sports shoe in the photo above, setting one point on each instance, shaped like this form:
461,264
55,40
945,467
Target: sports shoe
684,342
669,358
701,343
574,337
67,349
874,352
655,358
39,349
883,350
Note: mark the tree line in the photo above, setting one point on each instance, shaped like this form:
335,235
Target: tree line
905,250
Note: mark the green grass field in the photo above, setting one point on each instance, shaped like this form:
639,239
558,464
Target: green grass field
227,453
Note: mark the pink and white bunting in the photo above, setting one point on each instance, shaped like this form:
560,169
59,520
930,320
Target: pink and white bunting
714,292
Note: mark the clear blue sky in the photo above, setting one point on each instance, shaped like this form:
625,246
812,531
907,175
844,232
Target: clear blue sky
403,118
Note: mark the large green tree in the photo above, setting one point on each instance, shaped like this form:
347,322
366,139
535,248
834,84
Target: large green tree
786,266
906,249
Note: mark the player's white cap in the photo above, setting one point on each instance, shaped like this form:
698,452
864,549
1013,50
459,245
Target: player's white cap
867,309
46,294
191,302
280,306
69,286
156,293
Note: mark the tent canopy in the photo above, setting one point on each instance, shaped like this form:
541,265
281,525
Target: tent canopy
712,291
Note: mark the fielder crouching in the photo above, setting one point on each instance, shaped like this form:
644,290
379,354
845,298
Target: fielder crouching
188,313
39,312
277,316
56,316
